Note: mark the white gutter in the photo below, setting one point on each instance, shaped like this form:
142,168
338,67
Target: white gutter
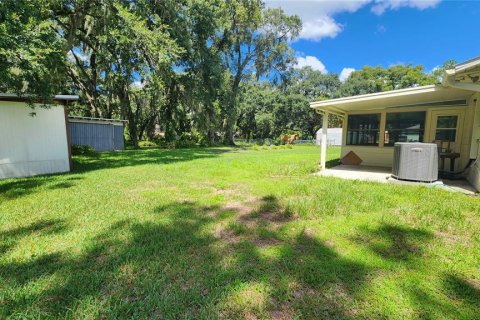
469,64
377,95
463,69
451,82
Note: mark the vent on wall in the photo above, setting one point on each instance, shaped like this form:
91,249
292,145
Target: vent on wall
461,102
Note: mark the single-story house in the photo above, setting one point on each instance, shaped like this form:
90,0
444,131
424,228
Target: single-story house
99,133
447,114
33,141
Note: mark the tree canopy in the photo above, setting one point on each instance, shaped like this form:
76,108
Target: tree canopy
202,71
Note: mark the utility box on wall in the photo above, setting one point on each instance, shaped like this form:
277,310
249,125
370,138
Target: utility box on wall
98,133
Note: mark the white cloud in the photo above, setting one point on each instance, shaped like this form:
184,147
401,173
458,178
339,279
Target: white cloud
323,27
381,6
346,72
311,61
317,15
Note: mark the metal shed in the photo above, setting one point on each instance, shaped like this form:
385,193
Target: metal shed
33,141
98,133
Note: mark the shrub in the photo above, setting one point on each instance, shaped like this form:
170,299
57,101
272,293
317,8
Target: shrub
83,150
147,144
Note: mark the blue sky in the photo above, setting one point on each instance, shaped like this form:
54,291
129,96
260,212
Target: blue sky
346,35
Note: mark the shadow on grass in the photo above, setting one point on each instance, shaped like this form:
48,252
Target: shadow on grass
464,289
17,188
463,298
183,268
232,261
464,292
9,238
395,243
404,246
127,158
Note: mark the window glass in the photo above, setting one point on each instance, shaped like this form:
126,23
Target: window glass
446,128
447,122
404,127
363,129
446,135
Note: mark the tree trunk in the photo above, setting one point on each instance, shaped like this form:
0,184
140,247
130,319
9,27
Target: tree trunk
132,130
231,112
126,107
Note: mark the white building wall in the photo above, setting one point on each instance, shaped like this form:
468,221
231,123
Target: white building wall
32,145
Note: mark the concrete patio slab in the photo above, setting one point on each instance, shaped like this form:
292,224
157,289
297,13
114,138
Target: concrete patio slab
364,173
384,175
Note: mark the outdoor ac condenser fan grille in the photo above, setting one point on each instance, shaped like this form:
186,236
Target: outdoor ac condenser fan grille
415,161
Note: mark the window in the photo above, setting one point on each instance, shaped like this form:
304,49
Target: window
404,127
363,129
446,128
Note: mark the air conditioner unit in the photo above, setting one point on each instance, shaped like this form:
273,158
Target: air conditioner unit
415,161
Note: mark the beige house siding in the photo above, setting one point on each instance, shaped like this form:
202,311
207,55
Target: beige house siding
383,155
474,172
371,156
475,143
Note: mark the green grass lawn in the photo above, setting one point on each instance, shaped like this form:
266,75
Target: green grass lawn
231,233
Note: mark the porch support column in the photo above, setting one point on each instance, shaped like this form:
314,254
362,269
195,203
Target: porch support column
323,144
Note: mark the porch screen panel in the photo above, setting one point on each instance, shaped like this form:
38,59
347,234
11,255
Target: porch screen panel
404,127
363,129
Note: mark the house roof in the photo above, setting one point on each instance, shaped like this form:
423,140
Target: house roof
459,84
465,75
16,97
431,95
467,65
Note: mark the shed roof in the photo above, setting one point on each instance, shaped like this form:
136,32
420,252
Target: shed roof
90,119
16,97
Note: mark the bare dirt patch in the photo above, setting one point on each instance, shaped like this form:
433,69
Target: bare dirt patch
238,207
222,232
265,242
283,313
